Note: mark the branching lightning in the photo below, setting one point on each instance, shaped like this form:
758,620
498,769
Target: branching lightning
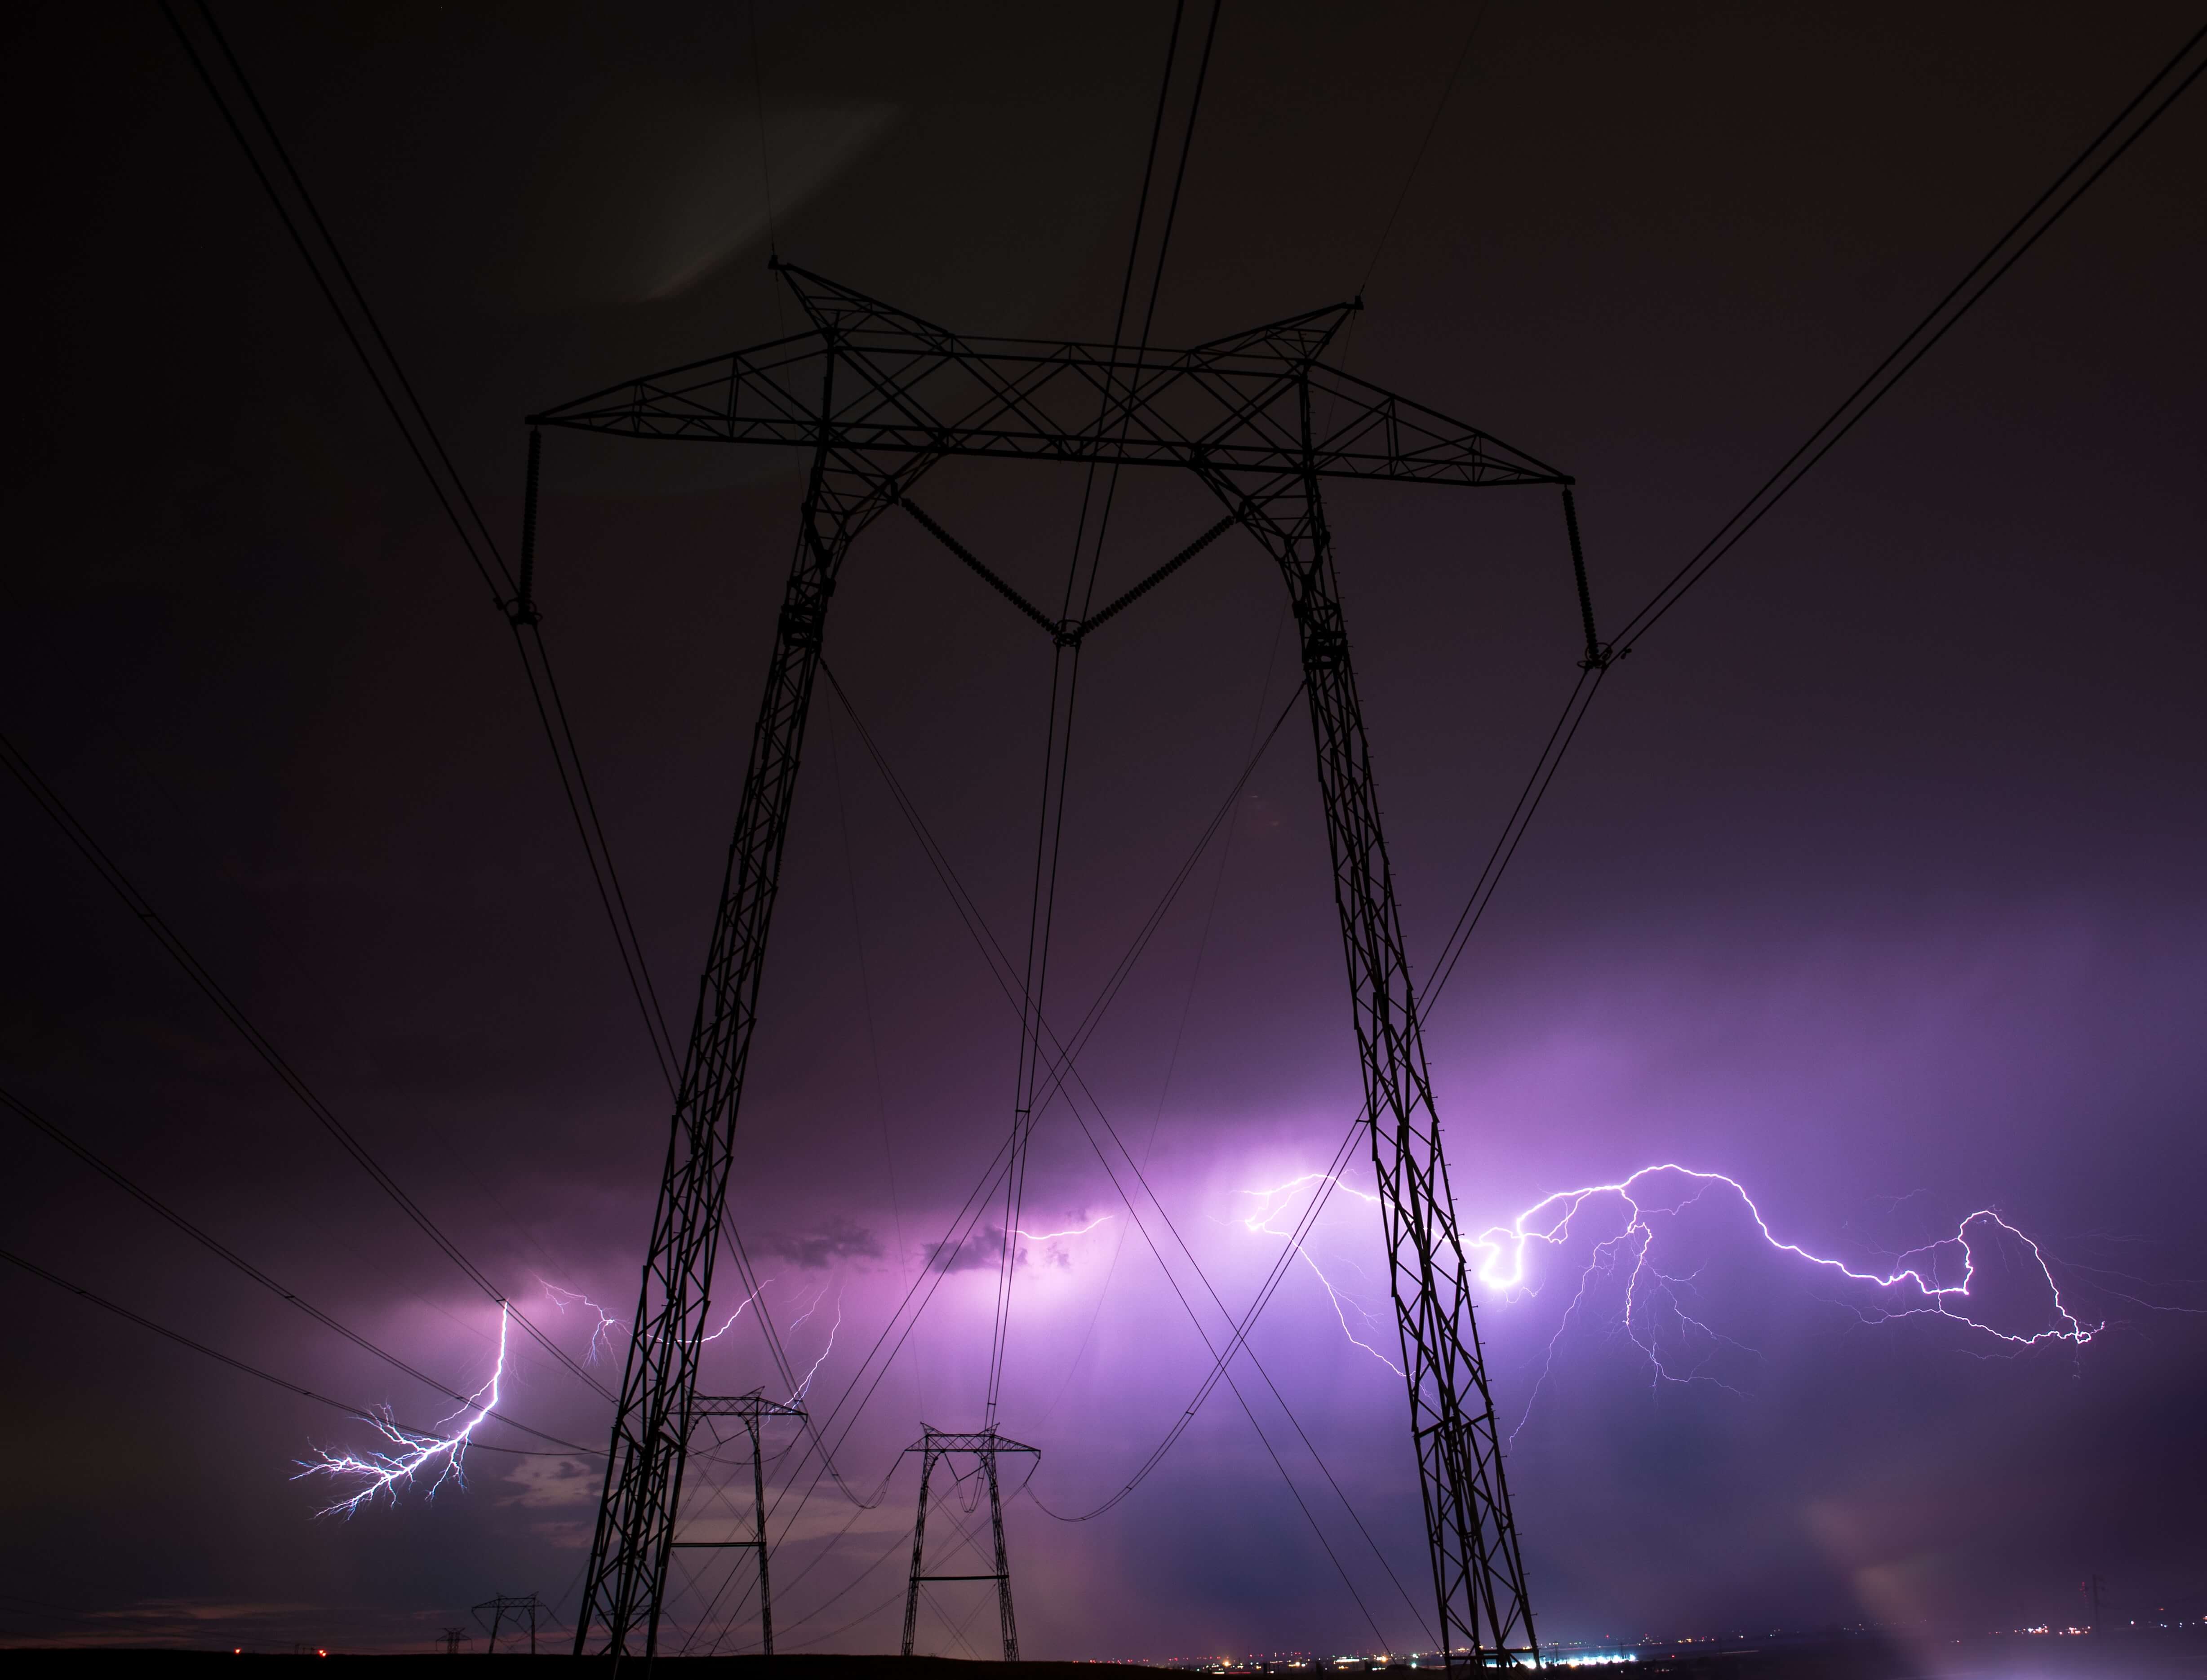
374,1472
1049,1236
812,1306
441,1454
1934,1279
1920,1278
805,1387
729,1322
1279,1200
603,1331
1920,1273
600,1333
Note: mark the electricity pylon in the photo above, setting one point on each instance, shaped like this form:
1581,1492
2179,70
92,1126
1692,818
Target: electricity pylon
747,1409
934,1446
878,397
505,1604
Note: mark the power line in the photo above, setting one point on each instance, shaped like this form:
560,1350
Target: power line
1180,177
1065,1068
1499,859
866,1004
363,1413
1565,729
2026,231
962,1222
1567,734
231,1258
1180,1031
1560,737
1066,670
514,601
1108,394
151,919
1065,679
298,238
2020,236
520,612
765,166
1418,159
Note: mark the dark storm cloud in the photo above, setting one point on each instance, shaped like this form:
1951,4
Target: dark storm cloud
979,1249
839,1238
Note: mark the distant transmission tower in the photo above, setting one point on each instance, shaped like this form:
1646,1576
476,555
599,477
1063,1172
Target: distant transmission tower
878,397
517,1606
748,1410
934,1446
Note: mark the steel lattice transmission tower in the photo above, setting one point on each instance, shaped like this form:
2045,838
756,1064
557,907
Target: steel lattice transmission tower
879,397
749,1410
984,1445
502,1605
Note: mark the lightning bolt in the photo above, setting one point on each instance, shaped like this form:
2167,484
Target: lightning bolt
1280,1200
813,1305
375,1472
1049,1236
1919,1277
730,1323
1934,1279
805,1387
603,1331
1920,1274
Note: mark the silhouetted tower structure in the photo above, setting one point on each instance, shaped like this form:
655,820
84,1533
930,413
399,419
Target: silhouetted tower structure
934,1446
505,1604
451,1640
747,1409
878,397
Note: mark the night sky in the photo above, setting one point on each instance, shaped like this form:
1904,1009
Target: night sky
1872,881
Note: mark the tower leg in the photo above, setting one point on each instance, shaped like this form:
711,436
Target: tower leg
758,1504
1478,1576
627,1573
1003,1563
919,1549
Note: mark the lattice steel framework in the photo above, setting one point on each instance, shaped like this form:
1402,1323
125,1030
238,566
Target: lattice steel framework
880,397
750,1410
984,1446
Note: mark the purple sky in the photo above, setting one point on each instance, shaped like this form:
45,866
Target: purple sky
1872,883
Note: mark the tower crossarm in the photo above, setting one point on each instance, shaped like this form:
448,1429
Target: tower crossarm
879,396
936,1441
752,1405
905,387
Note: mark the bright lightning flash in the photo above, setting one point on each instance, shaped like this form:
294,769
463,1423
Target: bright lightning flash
1281,1199
374,1473
805,1387
1934,1279
602,1333
1919,1276
729,1322
1049,1236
